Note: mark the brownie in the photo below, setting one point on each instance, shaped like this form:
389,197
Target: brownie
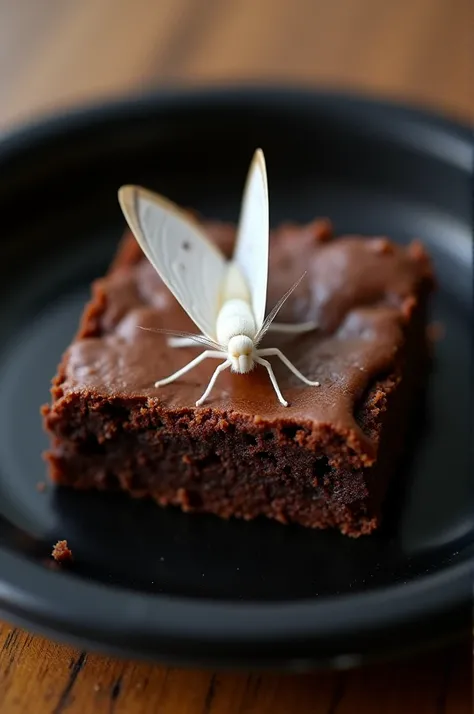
324,461
61,552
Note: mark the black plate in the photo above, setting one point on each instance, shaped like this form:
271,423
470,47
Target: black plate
152,582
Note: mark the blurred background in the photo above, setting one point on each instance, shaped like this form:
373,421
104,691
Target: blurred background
58,53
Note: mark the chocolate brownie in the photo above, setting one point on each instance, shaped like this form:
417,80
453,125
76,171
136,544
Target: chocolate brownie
61,552
324,461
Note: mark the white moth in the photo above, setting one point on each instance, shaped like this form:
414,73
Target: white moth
225,299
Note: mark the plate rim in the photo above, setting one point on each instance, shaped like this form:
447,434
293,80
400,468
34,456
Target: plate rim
152,625
402,116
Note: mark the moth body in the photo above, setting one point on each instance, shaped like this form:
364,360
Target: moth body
235,326
235,331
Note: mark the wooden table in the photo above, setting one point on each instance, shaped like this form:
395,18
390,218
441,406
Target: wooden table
55,53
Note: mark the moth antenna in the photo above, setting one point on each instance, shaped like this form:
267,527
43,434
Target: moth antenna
274,312
198,339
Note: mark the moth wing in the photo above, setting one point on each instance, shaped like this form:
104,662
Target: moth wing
188,263
251,250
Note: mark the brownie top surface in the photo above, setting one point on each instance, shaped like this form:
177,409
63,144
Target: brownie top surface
359,291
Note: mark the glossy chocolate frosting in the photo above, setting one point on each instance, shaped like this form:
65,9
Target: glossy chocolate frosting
359,291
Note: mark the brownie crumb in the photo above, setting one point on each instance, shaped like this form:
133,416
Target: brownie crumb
61,552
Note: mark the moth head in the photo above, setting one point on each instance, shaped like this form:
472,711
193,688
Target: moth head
240,350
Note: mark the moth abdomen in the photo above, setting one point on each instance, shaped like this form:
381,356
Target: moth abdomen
235,318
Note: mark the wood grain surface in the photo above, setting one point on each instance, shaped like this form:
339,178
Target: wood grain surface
58,53
41,677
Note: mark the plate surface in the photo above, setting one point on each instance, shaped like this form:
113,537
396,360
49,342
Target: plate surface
194,589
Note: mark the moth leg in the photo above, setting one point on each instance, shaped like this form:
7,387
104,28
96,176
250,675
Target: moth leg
271,374
292,329
204,355
182,342
212,381
278,353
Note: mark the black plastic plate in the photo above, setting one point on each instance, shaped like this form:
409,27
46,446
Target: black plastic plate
194,589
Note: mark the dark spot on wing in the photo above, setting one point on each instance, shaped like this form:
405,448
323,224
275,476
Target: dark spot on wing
186,246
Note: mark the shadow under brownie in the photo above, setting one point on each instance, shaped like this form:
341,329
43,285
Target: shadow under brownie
324,461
